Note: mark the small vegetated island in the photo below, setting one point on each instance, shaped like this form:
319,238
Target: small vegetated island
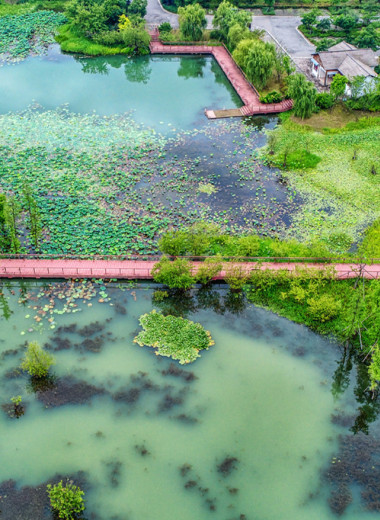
174,337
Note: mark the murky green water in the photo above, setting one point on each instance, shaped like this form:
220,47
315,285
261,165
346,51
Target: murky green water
246,432
165,92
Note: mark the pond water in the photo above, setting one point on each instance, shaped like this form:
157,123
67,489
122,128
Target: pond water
165,92
251,430
137,128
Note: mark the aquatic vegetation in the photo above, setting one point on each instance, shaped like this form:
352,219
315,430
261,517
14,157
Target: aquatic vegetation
28,33
173,337
66,499
16,409
227,466
37,361
340,192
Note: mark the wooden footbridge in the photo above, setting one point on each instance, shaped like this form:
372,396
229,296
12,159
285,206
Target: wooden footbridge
141,269
245,90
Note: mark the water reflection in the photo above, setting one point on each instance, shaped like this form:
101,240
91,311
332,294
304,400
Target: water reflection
191,68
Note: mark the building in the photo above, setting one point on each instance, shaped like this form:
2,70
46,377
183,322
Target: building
345,59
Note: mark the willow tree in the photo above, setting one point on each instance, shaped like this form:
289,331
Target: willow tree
304,94
257,59
192,21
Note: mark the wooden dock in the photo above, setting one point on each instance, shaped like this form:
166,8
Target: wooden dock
245,90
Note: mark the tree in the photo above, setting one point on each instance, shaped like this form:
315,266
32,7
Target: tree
338,86
137,39
346,21
324,44
138,7
192,21
257,59
36,361
310,18
368,38
33,214
303,94
4,242
236,34
12,212
227,15
324,24
89,20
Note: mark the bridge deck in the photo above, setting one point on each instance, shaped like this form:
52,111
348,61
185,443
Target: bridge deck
142,269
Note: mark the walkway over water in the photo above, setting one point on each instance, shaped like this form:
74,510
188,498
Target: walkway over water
142,269
245,90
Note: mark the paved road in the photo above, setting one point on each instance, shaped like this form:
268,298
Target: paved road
283,28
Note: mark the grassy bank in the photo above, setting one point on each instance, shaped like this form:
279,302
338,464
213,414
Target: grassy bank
70,41
335,170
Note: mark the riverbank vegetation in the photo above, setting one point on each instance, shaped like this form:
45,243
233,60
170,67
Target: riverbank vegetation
346,177
103,28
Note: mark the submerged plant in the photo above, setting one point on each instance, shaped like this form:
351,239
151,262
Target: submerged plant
173,337
66,500
36,361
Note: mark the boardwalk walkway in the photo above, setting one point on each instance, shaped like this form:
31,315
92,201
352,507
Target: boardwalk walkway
235,75
141,269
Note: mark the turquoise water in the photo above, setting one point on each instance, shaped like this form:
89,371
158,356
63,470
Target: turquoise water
163,91
246,432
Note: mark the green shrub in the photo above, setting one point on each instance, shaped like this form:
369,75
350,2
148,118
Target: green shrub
165,27
248,245
374,368
210,268
323,308
36,361
176,275
236,276
66,500
324,100
109,38
271,97
173,336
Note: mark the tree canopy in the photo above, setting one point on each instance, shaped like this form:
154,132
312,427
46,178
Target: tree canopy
192,21
257,59
303,94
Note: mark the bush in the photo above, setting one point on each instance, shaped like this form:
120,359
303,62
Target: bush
323,308
165,27
36,361
217,35
173,336
210,268
137,39
271,97
236,277
176,275
324,100
66,500
109,38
